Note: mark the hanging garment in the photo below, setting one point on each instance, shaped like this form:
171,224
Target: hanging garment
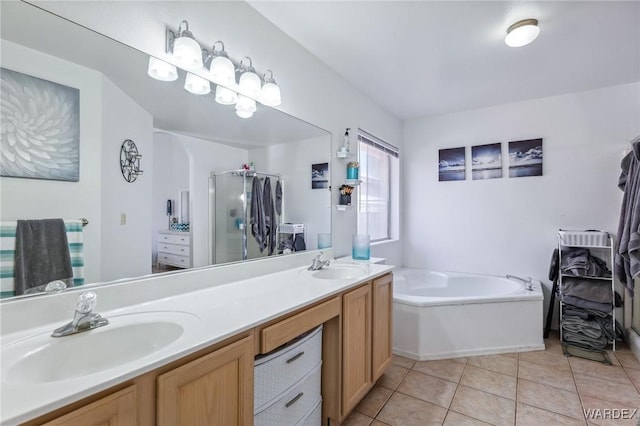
257,217
279,198
42,253
271,224
627,257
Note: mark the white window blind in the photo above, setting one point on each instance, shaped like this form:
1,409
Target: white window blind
374,193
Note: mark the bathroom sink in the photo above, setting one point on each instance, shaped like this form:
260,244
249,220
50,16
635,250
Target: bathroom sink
42,358
339,272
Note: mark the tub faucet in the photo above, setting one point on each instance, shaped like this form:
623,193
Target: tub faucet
317,263
84,318
528,282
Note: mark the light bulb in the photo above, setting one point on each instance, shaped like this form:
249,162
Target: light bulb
186,49
270,95
249,84
222,71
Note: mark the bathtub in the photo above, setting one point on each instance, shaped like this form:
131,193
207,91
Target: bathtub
447,315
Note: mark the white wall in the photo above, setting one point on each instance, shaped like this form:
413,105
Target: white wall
126,249
311,91
170,176
38,199
302,204
508,225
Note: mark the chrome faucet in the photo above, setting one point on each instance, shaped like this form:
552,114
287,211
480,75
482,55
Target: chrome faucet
528,282
83,319
317,263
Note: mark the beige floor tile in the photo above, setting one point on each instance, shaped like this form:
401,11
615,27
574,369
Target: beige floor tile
558,378
392,376
620,415
552,344
457,419
549,398
378,423
607,390
527,415
634,375
613,358
598,369
627,359
448,369
511,355
545,358
428,388
484,406
373,402
402,361
404,410
489,381
357,419
498,363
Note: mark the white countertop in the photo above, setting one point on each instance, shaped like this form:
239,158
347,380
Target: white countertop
221,312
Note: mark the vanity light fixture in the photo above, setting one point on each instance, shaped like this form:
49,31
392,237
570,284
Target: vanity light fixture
197,85
160,70
225,96
222,69
184,47
245,106
270,93
249,83
522,33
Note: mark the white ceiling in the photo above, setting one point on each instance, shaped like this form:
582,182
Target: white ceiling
419,58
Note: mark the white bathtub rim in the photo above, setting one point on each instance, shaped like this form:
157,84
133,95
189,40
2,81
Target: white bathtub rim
421,301
468,353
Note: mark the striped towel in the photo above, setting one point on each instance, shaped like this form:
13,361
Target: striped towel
7,254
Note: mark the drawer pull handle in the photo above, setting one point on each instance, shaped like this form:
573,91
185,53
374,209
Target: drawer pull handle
294,400
293,358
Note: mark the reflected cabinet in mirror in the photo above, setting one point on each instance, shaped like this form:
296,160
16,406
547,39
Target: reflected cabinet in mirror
210,187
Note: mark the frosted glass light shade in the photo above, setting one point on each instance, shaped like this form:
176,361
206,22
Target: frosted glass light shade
270,95
223,71
225,96
522,33
244,114
245,107
197,85
249,84
160,70
187,52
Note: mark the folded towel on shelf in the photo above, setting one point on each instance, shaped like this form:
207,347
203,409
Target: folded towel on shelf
587,304
583,341
580,262
41,254
593,290
589,329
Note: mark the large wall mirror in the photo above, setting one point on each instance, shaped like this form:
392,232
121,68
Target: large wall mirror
192,152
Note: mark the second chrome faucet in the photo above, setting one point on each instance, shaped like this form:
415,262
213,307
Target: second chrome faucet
84,318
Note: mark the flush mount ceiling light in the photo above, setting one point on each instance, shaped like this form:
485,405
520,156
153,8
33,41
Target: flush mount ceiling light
522,33
197,85
249,83
184,47
270,94
160,70
222,69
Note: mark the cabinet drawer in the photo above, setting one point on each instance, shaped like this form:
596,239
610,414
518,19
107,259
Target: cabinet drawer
174,249
314,418
174,239
280,333
276,372
294,405
173,259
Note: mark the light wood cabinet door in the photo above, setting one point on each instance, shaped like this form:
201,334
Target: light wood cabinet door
356,346
216,389
381,340
117,409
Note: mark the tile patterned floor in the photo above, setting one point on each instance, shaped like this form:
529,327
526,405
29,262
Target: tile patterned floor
529,388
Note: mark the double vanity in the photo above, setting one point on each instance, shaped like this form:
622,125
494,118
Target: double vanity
180,348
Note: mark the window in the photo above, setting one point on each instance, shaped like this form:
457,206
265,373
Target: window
378,192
